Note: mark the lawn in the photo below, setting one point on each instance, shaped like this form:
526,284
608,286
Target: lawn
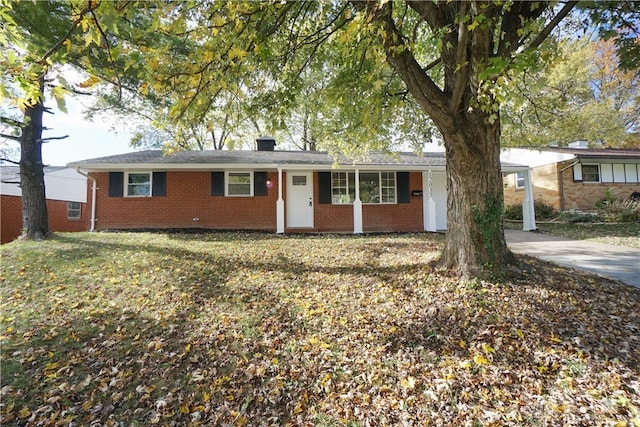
258,329
622,234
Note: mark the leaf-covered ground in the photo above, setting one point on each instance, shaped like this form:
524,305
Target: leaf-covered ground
255,329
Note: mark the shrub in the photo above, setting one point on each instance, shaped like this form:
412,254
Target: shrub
542,210
577,216
513,212
620,210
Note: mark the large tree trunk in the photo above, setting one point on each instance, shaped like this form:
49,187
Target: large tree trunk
35,221
475,242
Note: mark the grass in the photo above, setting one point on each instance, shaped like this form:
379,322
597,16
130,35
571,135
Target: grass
622,234
258,329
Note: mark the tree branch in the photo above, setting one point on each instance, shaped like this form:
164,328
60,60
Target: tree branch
11,122
51,138
11,137
551,25
461,59
10,161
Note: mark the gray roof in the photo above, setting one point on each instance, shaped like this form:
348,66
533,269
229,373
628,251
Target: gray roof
267,159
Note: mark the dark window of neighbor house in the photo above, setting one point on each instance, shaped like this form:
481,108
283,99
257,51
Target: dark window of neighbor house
520,180
74,210
590,173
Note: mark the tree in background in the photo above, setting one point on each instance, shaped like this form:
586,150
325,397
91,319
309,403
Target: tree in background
582,95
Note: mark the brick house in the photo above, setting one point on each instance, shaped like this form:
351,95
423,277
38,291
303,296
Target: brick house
66,193
398,192
576,177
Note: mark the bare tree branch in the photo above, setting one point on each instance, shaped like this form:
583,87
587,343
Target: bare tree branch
11,137
9,161
51,138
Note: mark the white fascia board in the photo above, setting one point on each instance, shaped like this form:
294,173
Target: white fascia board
533,157
102,167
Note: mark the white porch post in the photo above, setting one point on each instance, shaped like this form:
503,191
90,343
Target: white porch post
357,207
280,205
428,203
528,210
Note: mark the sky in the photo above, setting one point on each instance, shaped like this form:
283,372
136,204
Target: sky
87,139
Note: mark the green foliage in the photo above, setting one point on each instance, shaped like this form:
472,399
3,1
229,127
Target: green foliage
613,208
580,95
490,221
542,211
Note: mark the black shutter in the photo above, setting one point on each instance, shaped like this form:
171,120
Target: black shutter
159,184
116,184
217,183
324,188
404,193
260,183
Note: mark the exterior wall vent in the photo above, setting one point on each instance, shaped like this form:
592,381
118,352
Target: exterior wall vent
266,143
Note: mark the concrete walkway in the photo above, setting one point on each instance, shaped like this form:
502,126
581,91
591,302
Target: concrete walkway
615,262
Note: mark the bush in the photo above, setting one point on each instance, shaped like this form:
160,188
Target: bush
543,211
573,216
619,210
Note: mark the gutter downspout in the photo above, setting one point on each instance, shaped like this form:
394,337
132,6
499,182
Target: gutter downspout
94,190
561,183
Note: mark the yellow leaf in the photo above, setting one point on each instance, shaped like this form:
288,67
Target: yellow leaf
408,383
480,360
187,348
206,397
67,43
487,348
184,408
466,364
462,344
24,413
519,333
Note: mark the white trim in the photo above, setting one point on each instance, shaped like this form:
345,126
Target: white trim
357,205
528,206
226,183
280,206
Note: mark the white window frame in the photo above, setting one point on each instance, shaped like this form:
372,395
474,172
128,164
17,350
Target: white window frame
227,182
584,175
71,210
350,185
519,177
126,183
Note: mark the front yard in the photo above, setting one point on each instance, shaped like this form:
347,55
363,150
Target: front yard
258,329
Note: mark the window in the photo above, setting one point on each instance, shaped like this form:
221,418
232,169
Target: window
239,184
73,210
375,187
520,180
590,173
139,184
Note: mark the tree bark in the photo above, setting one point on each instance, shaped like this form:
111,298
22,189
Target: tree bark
35,221
474,243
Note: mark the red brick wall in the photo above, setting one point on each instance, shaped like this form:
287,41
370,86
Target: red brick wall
188,196
11,217
392,217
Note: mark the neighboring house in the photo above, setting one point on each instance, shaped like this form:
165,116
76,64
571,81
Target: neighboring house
241,190
66,193
576,177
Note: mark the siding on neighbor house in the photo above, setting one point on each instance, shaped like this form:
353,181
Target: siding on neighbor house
577,195
544,185
584,195
188,195
11,217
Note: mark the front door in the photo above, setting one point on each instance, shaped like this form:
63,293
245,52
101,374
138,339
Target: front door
299,199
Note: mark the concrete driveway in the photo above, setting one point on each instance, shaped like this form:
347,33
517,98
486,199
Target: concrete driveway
615,262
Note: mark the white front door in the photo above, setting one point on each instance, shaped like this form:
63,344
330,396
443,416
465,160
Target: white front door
299,199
